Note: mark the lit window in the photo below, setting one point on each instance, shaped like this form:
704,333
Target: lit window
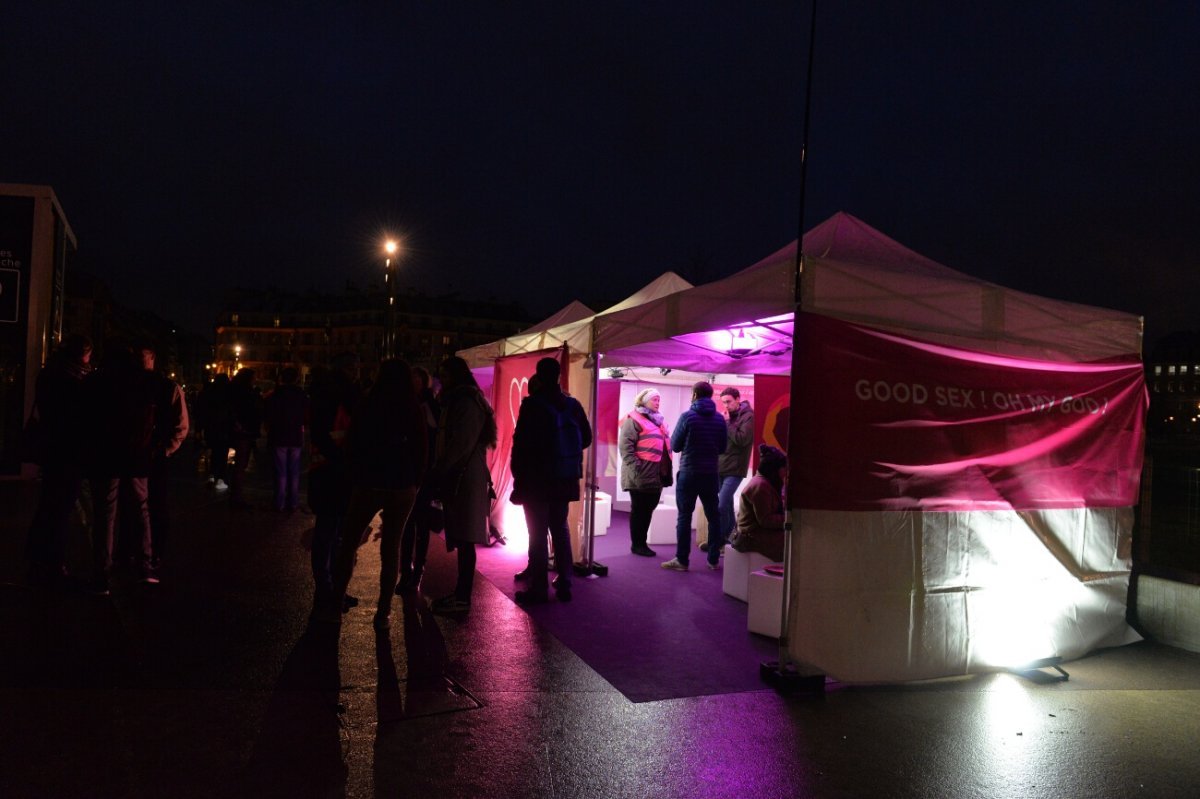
1183,370
1171,369
233,318
276,321
445,341
1157,369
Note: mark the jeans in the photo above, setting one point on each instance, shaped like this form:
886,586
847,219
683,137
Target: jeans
542,516
287,478
689,487
717,538
105,493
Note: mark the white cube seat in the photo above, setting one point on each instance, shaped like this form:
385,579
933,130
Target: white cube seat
735,577
603,518
662,525
766,604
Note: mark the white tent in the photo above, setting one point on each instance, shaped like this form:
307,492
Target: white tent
570,326
886,595
854,272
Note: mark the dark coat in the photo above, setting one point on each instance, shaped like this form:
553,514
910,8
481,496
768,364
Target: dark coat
460,472
386,447
534,447
329,478
120,402
700,437
735,461
58,404
284,412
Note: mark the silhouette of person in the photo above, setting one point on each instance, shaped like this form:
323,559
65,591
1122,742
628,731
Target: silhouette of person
466,431
700,438
57,449
386,449
549,421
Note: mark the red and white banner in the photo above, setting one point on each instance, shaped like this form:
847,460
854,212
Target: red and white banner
509,387
884,422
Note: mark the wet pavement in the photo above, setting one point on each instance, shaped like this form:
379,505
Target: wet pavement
214,684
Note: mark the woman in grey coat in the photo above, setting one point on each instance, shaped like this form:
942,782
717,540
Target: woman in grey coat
466,431
644,444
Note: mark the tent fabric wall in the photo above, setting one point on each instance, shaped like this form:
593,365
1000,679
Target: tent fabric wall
906,595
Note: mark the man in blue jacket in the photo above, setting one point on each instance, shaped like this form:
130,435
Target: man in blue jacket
700,438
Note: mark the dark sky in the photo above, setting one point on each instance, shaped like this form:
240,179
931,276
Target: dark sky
547,151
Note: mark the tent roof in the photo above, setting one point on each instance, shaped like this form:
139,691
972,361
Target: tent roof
572,312
571,326
854,272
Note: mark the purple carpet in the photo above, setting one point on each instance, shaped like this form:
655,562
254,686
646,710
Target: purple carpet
653,634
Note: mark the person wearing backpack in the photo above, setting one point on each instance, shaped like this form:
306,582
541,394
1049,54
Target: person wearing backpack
547,464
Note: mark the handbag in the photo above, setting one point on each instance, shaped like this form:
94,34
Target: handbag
665,468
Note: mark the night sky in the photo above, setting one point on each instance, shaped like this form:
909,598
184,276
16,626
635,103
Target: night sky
549,151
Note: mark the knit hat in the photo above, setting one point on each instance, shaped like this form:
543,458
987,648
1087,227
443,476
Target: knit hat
644,395
770,459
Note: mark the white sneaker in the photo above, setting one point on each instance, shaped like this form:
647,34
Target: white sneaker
674,565
221,485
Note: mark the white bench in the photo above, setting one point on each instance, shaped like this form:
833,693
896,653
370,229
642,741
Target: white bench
735,577
766,600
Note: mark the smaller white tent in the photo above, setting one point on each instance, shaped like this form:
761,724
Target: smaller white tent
571,326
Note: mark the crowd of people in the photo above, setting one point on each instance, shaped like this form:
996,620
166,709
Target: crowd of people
115,426
413,452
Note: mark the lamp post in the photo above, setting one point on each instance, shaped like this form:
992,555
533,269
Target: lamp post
390,247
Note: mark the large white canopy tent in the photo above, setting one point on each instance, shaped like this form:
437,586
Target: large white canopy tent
868,601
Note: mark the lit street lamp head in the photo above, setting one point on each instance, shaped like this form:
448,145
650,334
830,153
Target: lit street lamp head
390,247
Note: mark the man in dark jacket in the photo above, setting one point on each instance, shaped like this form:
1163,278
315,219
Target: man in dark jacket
285,410
547,464
700,438
120,398
731,467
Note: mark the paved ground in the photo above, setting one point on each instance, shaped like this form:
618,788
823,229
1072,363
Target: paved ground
212,684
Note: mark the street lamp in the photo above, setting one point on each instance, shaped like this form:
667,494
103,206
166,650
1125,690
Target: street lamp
390,247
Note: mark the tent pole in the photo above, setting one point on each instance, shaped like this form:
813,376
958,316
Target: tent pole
589,565
782,673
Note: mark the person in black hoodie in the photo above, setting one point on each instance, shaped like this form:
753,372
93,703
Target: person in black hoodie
700,437
386,451
547,464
